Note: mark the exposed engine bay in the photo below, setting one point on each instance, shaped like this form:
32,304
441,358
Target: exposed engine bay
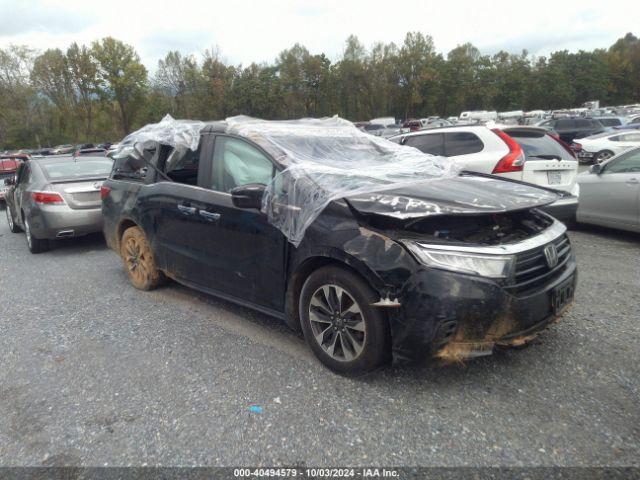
486,229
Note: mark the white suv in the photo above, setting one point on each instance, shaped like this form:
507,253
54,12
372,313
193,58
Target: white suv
528,154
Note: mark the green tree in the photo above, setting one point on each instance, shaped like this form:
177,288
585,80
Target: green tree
83,76
417,69
122,76
624,66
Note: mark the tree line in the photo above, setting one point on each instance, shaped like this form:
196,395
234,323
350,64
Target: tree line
102,91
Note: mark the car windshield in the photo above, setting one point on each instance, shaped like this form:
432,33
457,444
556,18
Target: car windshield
85,168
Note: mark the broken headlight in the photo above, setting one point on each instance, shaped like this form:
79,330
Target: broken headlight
485,265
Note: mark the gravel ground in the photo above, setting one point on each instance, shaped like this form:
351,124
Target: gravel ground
96,373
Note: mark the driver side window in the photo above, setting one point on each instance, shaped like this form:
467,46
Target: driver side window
236,163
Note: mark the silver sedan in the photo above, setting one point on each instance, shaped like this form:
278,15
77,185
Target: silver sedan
610,193
56,197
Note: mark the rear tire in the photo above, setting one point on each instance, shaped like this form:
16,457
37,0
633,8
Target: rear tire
13,228
342,328
35,245
138,260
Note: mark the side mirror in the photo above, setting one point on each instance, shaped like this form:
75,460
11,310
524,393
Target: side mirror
596,168
248,196
10,181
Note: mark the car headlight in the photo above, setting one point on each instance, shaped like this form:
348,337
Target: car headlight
492,266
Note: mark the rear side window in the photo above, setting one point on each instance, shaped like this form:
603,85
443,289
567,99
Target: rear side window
585,123
629,137
181,165
462,143
85,168
538,147
430,143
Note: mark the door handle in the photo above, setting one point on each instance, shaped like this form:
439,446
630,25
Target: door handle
186,210
210,216
633,181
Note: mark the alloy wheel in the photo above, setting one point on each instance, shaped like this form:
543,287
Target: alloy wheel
603,156
337,323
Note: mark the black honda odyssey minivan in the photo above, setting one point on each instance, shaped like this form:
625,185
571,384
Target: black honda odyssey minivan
476,265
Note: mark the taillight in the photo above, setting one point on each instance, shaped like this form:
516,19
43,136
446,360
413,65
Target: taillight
104,192
512,161
47,197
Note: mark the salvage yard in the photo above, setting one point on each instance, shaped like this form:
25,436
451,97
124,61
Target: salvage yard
95,372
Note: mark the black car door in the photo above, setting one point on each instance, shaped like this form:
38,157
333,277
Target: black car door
247,251
202,238
168,216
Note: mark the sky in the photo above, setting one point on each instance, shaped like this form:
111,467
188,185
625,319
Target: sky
245,31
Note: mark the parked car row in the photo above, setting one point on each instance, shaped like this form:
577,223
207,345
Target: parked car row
66,149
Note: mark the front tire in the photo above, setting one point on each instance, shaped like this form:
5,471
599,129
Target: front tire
343,329
138,260
13,228
602,156
35,245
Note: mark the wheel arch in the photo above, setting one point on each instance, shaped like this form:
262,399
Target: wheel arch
121,227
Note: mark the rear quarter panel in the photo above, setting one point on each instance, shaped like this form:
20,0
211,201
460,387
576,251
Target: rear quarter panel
117,207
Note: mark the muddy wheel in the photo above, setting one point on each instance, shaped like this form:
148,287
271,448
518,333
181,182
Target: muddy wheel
341,326
138,260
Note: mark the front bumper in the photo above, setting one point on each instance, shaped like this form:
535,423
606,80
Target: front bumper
455,316
585,156
60,221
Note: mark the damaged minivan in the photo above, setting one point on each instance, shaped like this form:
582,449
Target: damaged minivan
375,251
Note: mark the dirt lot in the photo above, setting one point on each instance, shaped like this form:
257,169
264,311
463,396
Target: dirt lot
97,373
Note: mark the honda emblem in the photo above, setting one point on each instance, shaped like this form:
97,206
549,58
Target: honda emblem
551,255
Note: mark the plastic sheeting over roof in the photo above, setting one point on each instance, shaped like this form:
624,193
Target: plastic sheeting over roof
176,133
322,160
327,159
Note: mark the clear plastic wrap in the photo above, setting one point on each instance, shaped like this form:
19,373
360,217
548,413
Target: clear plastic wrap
176,133
326,159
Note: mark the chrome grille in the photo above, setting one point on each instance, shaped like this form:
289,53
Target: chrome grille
532,269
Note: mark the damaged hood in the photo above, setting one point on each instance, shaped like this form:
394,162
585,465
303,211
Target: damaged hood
463,195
